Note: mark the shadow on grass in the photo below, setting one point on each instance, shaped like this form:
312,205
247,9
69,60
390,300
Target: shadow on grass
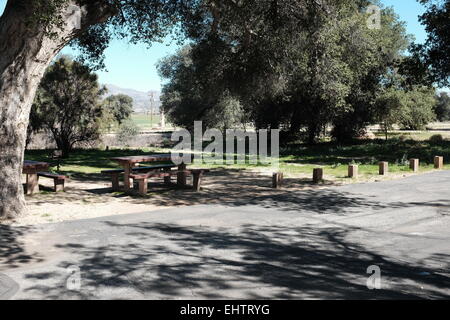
92,159
366,152
171,261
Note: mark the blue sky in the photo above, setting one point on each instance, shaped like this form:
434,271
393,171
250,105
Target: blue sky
134,66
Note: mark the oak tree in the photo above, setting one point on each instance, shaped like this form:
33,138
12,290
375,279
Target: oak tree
68,104
32,32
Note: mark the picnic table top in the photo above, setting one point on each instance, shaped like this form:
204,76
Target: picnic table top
144,158
28,164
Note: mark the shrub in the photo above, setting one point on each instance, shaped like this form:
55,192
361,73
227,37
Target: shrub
127,131
437,138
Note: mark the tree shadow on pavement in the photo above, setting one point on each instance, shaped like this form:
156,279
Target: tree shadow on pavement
168,261
12,247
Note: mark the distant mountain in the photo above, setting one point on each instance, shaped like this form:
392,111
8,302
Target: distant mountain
141,99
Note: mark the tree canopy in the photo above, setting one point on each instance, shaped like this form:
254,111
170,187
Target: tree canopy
116,109
298,65
442,108
430,61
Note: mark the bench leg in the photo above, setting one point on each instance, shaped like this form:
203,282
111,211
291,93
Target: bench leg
59,185
167,180
115,182
181,177
32,183
126,177
143,187
197,181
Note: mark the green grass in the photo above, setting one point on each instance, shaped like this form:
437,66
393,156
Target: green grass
295,160
144,121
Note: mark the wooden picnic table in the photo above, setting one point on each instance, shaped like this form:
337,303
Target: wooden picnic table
129,162
31,169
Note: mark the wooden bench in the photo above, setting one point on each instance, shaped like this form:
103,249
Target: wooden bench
115,174
142,179
58,179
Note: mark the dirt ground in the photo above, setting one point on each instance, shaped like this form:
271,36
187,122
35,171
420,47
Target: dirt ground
90,199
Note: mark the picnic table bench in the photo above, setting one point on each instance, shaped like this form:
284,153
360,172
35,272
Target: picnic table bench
142,179
115,173
58,180
36,169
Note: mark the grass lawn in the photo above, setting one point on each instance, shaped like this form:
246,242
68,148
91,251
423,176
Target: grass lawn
144,121
297,160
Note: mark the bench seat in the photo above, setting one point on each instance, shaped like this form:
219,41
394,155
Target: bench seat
115,173
58,179
142,179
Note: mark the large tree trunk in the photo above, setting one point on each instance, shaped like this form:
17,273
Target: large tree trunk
25,54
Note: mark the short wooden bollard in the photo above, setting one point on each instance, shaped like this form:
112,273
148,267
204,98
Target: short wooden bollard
318,175
414,165
439,162
353,171
277,180
384,168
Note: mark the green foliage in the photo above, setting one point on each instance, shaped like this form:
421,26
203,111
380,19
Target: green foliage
299,72
144,21
47,14
227,113
430,62
68,104
436,139
437,47
388,106
412,109
116,109
442,108
127,131
417,109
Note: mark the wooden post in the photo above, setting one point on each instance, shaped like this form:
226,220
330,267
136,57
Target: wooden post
277,180
32,183
197,180
353,171
318,175
167,179
126,176
439,162
115,181
384,168
414,165
181,177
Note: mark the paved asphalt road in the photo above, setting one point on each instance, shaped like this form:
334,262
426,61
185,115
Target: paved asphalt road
313,244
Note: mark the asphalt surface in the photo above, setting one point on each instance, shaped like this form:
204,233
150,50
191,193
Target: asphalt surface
311,245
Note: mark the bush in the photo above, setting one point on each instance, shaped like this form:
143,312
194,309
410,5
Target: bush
437,138
127,131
